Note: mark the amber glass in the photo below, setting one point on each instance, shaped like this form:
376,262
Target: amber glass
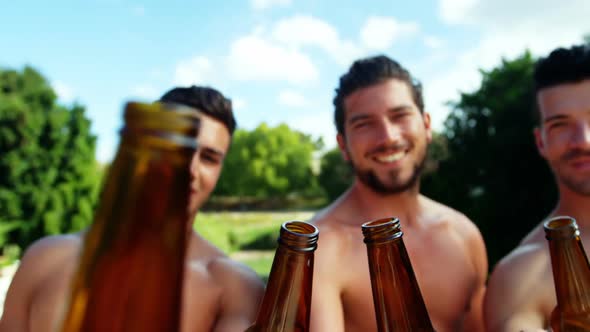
129,278
287,301
571,274
398,302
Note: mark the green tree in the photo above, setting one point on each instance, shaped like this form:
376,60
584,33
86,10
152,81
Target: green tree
336,175
493,172
268,162
47,180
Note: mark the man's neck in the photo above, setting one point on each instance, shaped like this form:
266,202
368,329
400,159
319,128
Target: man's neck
373,205
574,205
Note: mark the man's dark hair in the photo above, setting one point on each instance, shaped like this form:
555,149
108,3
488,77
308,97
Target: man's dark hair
207,100
370,71
563,65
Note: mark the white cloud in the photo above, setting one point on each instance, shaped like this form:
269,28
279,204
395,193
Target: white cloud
379,33
317,124
256,58
198,70
64,92
291,98
494,14
537,25
265,4
146,91
138,11
433,42
238,104
455,11
303,31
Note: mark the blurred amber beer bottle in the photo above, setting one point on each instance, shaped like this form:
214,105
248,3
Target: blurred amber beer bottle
571,274
398,302
287,301
129,278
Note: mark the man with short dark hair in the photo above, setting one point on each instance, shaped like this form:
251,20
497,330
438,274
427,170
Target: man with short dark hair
218,294
521,293
383,132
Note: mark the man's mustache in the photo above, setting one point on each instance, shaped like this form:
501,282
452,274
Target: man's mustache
392,147
575,153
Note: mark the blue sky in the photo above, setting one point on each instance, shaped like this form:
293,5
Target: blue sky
278,60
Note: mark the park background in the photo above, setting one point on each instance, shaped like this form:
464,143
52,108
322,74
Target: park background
66,68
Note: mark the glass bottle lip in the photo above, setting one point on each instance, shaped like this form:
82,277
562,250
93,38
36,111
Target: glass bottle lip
381,230
299,235
561,227
171,122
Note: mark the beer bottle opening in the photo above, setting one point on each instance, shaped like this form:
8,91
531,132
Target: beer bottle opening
561,227
299,235
381,230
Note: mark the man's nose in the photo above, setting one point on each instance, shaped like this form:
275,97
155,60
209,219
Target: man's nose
581,135
388,133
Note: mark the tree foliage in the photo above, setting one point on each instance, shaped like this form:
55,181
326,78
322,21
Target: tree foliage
268,162
47,165
336,175
493,172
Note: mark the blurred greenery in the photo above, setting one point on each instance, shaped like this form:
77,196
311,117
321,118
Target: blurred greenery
48,182
250,232
492,171
269,162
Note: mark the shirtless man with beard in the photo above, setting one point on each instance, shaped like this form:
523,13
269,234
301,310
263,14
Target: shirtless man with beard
383,132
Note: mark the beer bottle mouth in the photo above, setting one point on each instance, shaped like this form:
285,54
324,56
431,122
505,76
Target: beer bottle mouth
162,122
381,230
561,227
299,235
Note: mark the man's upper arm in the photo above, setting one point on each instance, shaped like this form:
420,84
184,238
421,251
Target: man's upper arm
476,246
242,294
22,287
515,297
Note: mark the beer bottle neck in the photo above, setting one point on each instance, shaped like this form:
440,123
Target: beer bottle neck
571,273
398,301
287,301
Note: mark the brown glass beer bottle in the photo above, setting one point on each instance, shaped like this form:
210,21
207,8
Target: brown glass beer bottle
287,300
571,274
398,302
129,277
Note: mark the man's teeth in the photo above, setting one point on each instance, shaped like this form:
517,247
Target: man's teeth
392,157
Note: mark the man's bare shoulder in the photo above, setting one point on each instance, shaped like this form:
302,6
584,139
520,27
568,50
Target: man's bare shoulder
210,262
225,269
439,214
521,285
52,250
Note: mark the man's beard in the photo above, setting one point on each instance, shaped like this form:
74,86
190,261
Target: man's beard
581,187
371,180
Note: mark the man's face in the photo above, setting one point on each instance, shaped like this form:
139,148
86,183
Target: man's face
563,137
386,136
206,165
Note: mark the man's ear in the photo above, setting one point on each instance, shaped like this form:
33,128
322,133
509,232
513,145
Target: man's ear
342,146
539,142
427,126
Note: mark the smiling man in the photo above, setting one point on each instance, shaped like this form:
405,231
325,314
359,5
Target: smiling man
521,293
219,294
384,132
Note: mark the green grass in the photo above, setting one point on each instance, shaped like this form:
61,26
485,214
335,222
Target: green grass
235,231
248,237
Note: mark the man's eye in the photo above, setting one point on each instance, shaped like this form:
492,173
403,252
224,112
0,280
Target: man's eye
210,159
361,124
557,124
